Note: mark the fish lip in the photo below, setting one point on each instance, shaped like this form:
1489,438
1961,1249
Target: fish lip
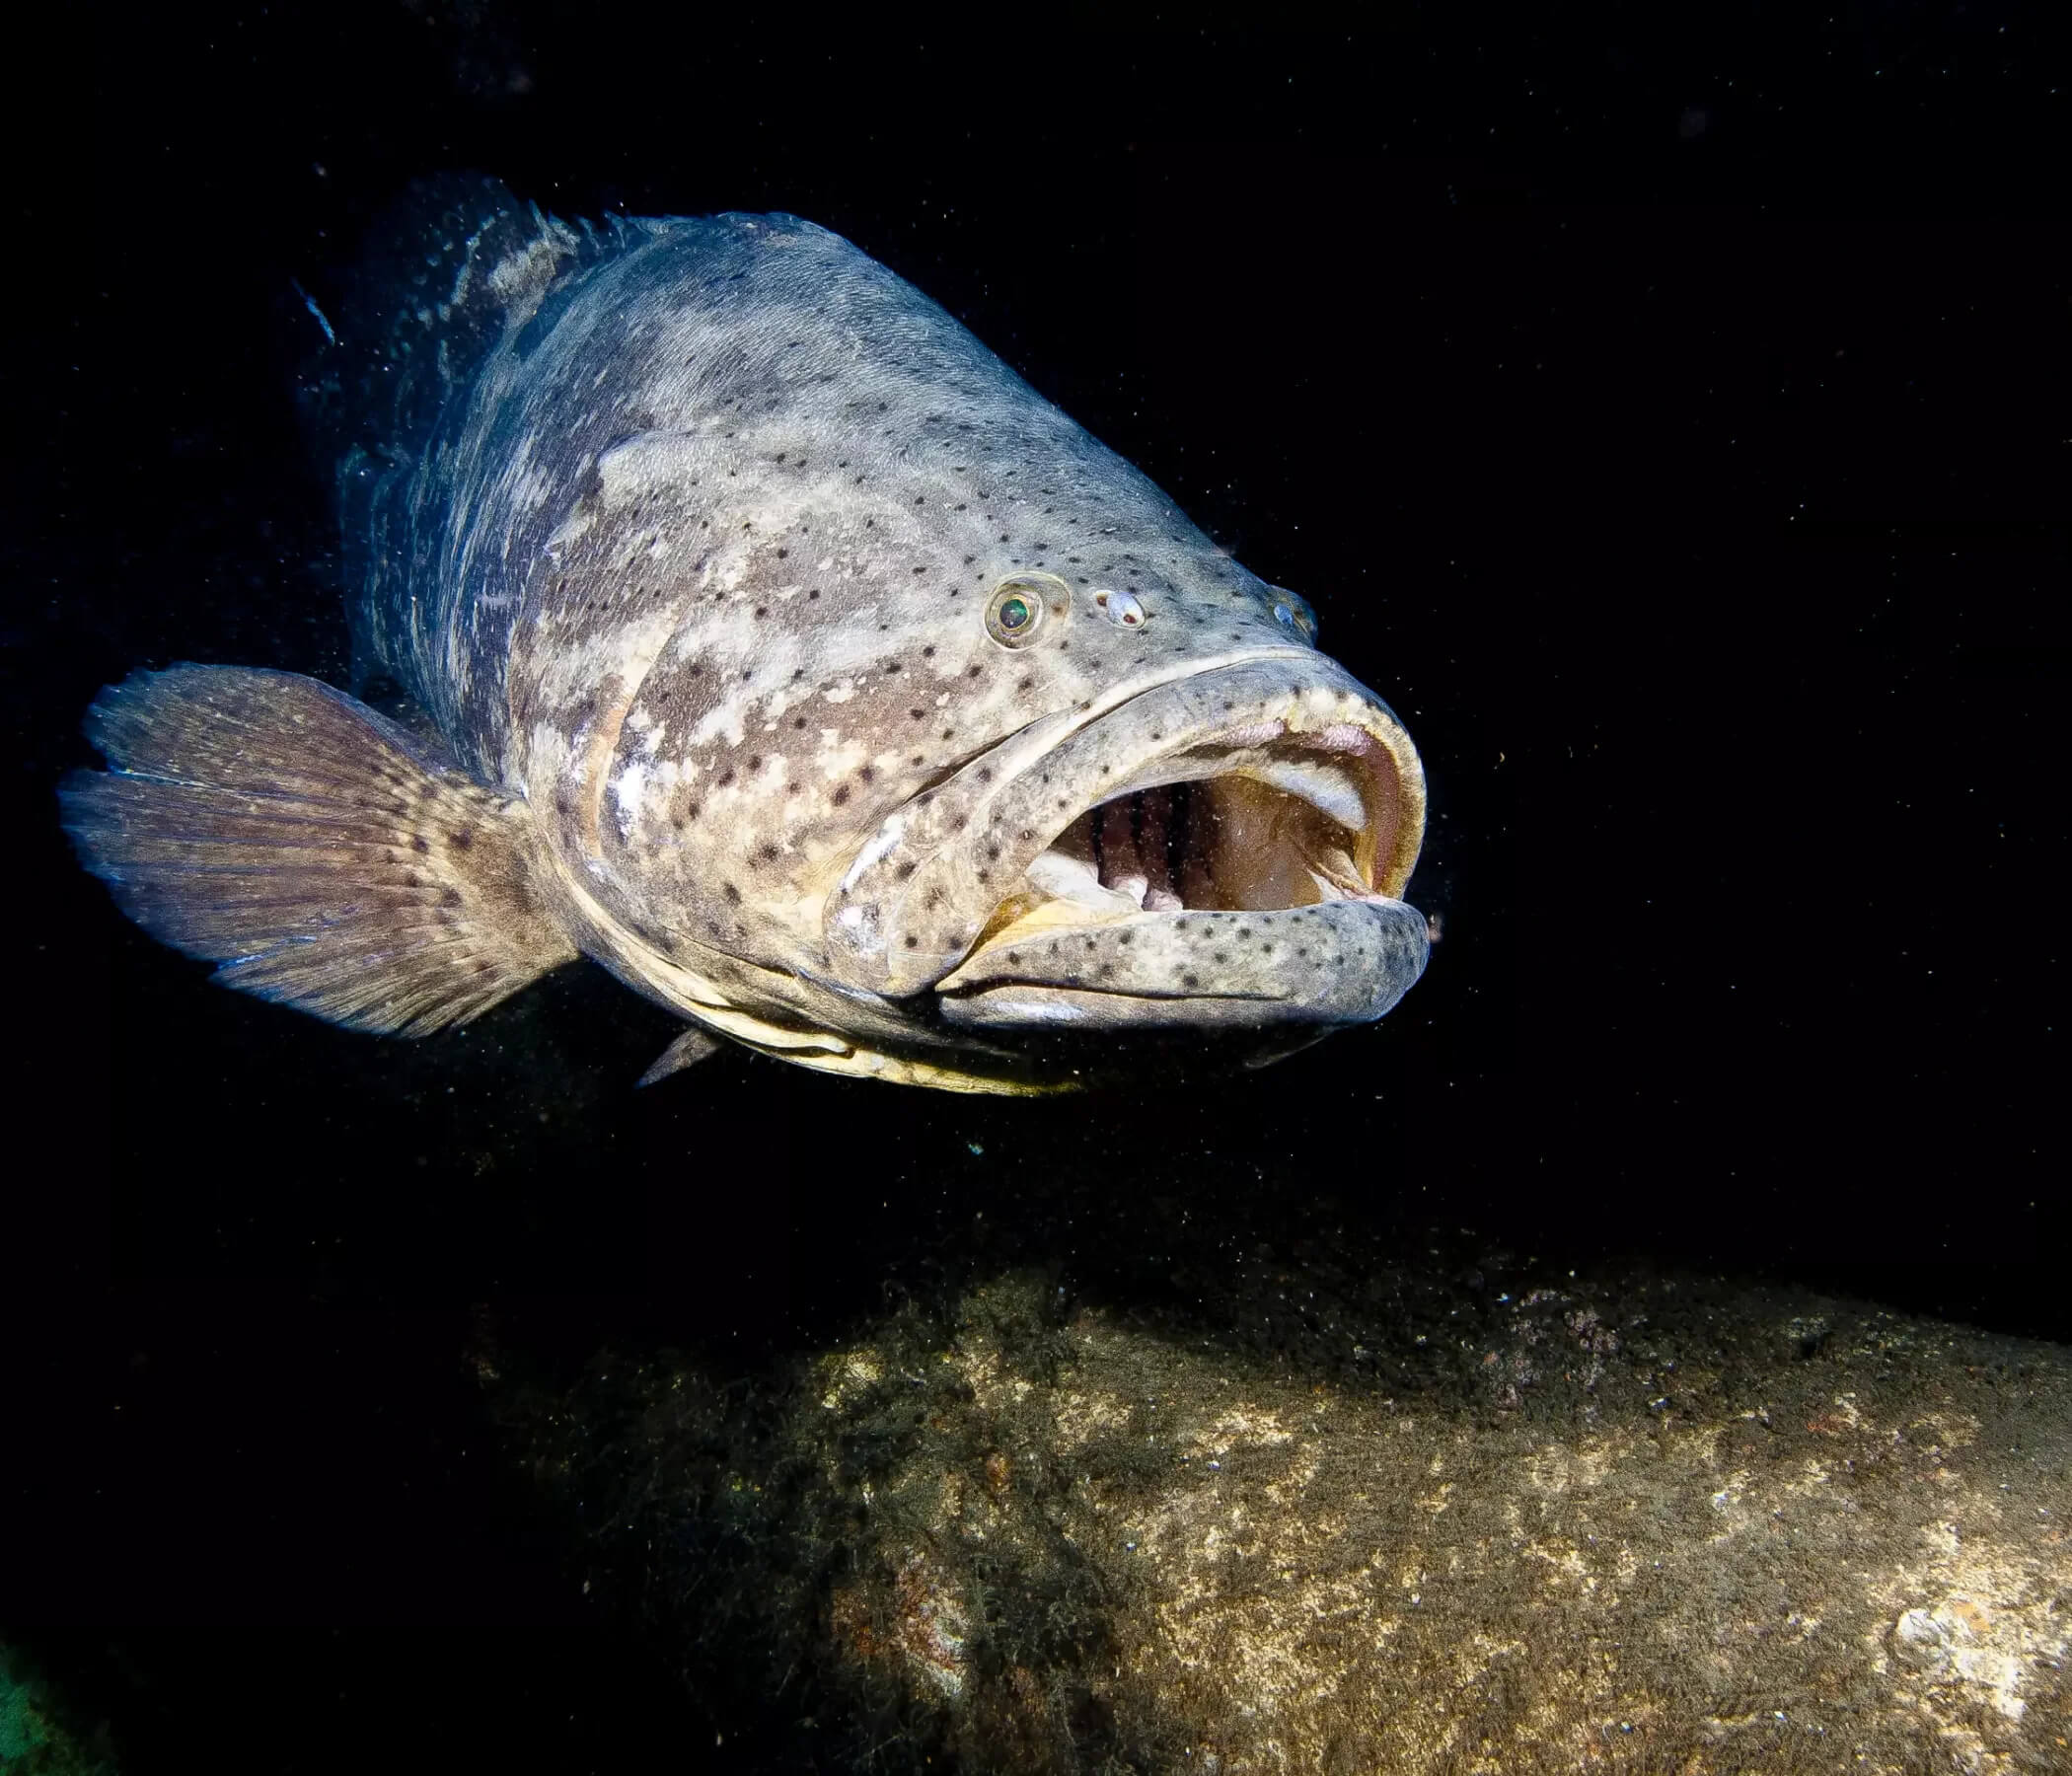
1010,986
970,840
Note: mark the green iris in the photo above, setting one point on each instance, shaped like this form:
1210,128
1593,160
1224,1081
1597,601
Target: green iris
1021,604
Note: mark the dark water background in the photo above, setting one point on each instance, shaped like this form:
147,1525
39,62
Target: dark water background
1673,429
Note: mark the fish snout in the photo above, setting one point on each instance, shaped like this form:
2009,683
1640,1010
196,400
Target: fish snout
1226,845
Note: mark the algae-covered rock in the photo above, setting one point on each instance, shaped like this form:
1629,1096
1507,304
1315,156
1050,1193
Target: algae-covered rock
1632,1525
35,1738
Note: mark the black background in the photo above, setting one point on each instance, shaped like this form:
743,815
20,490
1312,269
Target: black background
1673,428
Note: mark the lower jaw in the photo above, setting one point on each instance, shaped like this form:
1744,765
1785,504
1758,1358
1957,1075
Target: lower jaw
1341,961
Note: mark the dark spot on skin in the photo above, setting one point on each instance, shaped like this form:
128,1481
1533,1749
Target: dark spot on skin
762,610
841,795
783,552
727,778
798,721
1025,684
755,761
769,854
421,842
994,851
918,760
869,773
450,899
733,893
972,671
985,875
1127,937
985,774
906,869
913,943
815,593
1192,979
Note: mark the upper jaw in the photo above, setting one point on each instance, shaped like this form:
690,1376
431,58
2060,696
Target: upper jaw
1297,787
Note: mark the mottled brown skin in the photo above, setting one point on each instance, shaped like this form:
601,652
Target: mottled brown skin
705,556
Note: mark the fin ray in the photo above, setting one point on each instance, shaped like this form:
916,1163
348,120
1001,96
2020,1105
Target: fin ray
321,854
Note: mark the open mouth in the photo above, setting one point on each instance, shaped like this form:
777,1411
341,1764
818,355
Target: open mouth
1245,824
1231,839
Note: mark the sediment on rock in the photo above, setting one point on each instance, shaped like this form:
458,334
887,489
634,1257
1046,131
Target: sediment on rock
1646,1525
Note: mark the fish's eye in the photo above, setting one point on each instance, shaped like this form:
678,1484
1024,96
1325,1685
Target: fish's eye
1123,609
1019,604
1292,611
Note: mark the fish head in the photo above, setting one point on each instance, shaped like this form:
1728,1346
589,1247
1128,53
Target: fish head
1193,823
885,720
992,833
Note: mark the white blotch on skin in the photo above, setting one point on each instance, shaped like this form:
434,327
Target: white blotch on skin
625,792
723,722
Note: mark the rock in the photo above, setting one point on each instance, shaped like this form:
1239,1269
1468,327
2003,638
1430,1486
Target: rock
1632,1525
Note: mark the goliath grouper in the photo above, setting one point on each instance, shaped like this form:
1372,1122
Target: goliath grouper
784,652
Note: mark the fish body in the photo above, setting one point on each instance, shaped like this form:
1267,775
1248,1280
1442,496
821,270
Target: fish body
790,657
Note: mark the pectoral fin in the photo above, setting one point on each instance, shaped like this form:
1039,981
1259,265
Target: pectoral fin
324,856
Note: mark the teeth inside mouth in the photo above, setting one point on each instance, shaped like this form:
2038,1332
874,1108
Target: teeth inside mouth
1287,833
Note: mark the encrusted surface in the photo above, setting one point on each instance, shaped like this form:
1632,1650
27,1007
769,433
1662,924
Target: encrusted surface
1646,1525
